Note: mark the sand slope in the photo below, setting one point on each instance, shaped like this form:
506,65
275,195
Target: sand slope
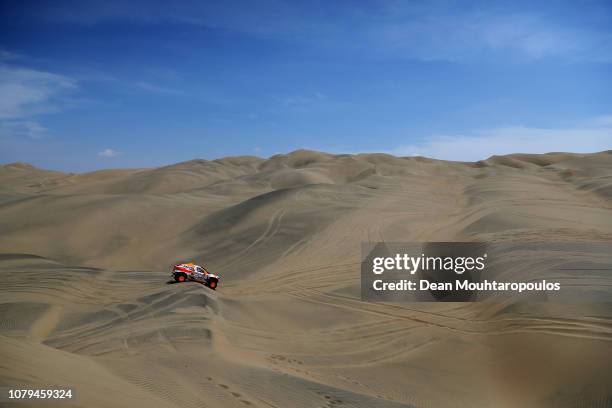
85,302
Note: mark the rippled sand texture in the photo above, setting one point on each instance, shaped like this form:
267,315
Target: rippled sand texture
86,301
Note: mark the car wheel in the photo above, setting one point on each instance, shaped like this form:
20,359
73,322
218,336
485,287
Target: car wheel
180,277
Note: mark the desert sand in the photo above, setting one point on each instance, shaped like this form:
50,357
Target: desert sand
85,262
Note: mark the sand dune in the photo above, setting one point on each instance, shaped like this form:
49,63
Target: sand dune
85,302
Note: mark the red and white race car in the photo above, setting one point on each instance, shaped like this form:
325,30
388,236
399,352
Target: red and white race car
190,271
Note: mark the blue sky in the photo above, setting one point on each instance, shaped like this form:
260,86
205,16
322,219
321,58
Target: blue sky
89,85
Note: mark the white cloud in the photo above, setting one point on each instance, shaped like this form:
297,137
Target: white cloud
506,140
26,92
109,153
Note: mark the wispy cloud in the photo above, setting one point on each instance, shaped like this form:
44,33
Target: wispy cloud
463,35
481,144
109,153
302,103
25,92
600,121
432,30
150,87
6,55
21,129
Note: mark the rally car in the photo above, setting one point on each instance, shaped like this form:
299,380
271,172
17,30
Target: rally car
190,271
